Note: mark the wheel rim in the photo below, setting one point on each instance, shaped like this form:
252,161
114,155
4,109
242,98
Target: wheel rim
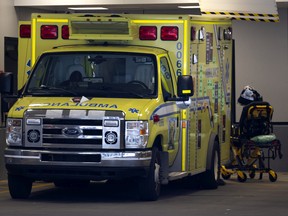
157,176
216,161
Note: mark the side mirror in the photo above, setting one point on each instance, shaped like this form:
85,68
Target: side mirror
185,86
6,83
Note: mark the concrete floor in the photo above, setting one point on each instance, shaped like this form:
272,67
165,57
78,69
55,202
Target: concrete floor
254,197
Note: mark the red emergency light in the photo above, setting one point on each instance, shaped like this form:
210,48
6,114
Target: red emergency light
65,32
169,33
49,31
156,118
148,33
25,31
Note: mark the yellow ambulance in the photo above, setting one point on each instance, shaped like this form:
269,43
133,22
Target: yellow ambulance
105,96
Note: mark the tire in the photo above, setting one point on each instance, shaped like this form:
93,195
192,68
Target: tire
252,174
19,187
211,175
272,176
226,176
241,176
150,187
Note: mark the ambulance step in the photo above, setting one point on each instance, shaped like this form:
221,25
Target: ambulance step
177,175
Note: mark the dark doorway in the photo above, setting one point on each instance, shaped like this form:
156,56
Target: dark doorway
10,65
11,58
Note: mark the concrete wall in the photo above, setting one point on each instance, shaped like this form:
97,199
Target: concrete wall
8,25
261,56
9,17
281,164
261,60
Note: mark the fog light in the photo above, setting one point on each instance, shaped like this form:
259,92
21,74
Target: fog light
33,136
111,137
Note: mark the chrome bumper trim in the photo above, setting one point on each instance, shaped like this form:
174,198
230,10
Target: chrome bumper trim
108,159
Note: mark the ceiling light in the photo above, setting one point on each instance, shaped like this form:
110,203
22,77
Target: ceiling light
87,8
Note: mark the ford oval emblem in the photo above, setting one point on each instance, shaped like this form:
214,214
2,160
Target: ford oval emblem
71,131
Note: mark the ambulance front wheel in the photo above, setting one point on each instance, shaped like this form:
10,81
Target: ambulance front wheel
149,187
19,187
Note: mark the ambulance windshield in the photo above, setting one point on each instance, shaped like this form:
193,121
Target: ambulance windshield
94,74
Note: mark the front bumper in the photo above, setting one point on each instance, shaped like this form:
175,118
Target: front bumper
52,164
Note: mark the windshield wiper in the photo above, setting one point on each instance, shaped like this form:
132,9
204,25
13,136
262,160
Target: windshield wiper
130,92
44,87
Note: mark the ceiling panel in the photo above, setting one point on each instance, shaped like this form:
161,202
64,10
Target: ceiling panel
150,6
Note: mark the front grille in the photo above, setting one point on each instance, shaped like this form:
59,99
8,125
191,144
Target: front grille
83,122
90,132
72,129
85,132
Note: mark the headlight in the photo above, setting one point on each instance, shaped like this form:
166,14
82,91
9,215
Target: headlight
14,132
136,134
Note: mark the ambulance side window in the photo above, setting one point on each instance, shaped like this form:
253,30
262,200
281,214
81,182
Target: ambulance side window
166,79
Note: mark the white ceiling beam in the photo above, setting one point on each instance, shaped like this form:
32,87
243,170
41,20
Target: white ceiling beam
242,9
240,6
99,2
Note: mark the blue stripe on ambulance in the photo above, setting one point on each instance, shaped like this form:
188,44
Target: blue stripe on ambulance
177,111
160,109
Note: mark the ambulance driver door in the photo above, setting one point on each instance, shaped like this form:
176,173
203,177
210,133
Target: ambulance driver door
171,111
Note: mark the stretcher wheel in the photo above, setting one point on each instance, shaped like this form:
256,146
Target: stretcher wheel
226,176
241,176
272,176
252,174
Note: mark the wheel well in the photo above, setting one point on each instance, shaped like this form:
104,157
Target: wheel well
213,138
217,139
158,142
